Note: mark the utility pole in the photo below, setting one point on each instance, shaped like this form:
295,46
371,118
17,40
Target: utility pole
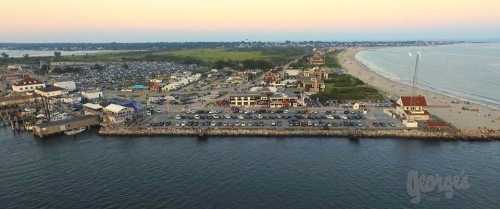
414,79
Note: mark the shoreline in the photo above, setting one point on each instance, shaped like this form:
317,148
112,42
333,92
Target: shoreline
476,99
441,105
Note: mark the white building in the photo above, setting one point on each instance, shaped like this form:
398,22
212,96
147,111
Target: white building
91,95
27,84
180,82
92,109
67,85
117,114
71,99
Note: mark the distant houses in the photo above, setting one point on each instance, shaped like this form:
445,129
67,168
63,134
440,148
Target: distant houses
172,82
312,80
317,59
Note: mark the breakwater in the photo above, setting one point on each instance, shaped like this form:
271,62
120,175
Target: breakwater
478,135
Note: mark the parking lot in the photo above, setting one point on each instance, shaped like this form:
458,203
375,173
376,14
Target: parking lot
334,118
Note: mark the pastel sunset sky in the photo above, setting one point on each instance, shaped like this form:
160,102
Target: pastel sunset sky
235,20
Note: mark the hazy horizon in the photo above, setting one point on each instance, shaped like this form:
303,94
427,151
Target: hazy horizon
248,20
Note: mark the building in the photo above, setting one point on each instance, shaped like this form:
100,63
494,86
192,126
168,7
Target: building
247,101
284,100
92,109
50,92
412,108
292,73
316,72
317,59
16,101
272,78
311,85
179,80
267,100
155,85
116,114
69,86
92,94
27,84
57,127
312,80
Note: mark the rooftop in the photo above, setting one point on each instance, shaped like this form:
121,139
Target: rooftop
27,81
114,108
93,106
414,101
51,89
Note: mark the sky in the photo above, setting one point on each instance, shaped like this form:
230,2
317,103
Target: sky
252,20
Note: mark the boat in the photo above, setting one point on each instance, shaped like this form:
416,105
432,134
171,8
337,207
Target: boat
75,131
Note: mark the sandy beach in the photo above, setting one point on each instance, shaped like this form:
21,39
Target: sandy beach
475,116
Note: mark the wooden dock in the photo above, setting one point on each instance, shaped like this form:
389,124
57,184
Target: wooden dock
58,127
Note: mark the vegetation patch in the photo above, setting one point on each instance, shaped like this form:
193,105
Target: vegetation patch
331,60
247,58
345,88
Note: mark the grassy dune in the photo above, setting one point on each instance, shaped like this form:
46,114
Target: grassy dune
346,87
213,55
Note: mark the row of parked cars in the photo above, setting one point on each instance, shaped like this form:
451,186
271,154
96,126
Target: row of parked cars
345,123
269,117
216,124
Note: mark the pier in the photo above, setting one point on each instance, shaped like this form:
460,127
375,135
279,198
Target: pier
58,127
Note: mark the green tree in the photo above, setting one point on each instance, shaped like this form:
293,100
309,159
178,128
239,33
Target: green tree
5,55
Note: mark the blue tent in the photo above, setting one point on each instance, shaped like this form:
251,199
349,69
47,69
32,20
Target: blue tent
132,104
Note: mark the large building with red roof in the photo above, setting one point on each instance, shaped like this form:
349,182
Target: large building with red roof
413,108
27,84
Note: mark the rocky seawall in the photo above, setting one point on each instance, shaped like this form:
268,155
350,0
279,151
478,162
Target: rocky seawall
476,135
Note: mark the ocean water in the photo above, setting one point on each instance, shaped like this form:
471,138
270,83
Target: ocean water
90,171
466,71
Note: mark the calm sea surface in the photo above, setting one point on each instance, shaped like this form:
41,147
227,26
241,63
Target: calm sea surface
90,171
469,71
